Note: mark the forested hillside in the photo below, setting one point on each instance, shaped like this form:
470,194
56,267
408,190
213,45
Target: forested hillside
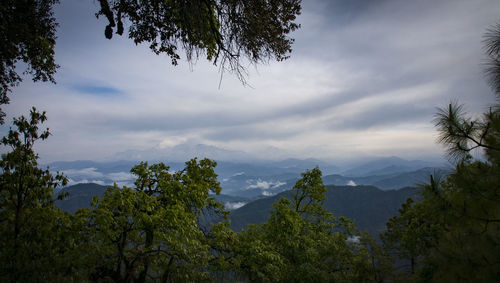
368,206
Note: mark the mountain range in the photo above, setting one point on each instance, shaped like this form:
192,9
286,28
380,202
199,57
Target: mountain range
265,178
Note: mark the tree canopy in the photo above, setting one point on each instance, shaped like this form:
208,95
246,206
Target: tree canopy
27,35
227,33
303,242
32,243
453,234
224,31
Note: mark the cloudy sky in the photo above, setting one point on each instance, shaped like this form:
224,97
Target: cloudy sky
364,79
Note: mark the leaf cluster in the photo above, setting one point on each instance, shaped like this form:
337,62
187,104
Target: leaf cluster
224,31
27,35
29,221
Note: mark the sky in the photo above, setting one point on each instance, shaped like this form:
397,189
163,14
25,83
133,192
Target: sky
364,80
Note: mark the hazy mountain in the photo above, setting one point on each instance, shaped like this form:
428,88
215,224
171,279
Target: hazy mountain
415,178
224,168
337,180
389,181
237,178
388,165
230,169
300,165
261,178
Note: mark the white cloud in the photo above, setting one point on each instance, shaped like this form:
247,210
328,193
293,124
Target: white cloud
351,183
234,205
265,185
172,141
267,193
121,176
72,182
86,172
353,239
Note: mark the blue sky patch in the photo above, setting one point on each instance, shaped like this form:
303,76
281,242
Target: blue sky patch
97,90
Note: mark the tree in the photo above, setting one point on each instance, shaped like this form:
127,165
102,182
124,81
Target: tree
492,48
465,208
36,238
302,242
228,33
152,232
467,202
408,235
379,267
224,31
27,34
460,214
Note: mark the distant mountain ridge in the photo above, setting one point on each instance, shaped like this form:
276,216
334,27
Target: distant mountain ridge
388,165
253,180
389,181
80,196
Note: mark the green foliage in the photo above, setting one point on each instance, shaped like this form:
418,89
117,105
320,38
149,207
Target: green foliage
309,193
379,266
462,134
143,234
465,207
410,234
467,203
224,31
453,234
492,44
28,36
302,242
190,187
35,236
152,232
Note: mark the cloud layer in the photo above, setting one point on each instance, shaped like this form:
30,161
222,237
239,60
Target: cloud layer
364,79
